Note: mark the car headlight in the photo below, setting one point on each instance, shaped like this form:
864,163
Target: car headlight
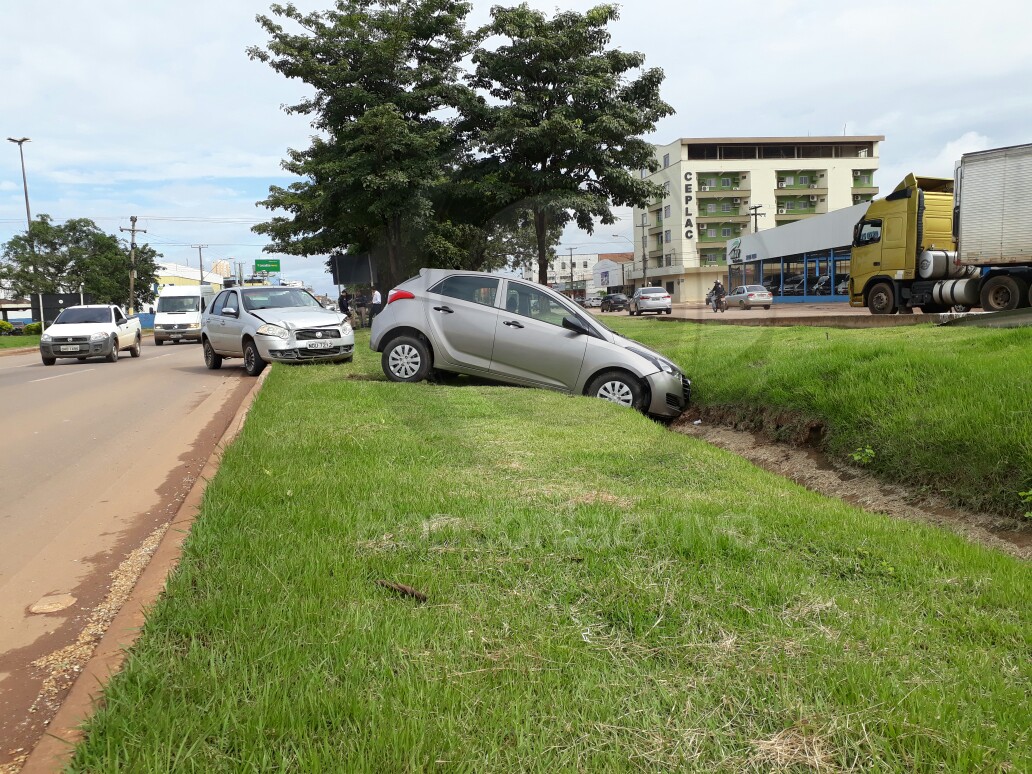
193,326
661,363
345,329
45,338
98,336
273,330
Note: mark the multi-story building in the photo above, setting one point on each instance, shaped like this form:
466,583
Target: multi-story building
721,188
571,275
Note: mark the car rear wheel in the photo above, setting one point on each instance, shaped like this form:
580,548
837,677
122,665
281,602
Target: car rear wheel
134,350
253,363
212,360
617,387
766,306
406,359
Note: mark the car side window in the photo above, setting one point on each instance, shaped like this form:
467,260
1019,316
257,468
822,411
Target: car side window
479,290
219,302
530,302
118,316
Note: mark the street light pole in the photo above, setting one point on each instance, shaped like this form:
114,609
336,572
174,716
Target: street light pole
20,141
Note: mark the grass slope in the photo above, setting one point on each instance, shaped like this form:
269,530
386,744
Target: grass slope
946,408
603,596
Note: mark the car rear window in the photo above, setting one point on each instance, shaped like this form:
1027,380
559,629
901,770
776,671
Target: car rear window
653,291
755,289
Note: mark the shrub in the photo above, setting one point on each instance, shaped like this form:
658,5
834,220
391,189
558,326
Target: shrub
34,329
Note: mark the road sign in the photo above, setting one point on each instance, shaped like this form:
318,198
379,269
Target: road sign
267,264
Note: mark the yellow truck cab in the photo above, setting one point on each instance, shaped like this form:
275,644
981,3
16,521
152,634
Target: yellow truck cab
904,237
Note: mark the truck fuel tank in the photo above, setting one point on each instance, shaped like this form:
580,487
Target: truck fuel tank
942,264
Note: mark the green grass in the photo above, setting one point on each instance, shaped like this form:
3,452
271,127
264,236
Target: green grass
16,342
942,408
604,595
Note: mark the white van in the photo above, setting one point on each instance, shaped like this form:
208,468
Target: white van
178,314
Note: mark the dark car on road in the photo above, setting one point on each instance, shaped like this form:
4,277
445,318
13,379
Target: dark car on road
614,302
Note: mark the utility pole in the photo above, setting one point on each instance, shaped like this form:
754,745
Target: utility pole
571,274
132,260
756,215
644,250
200,260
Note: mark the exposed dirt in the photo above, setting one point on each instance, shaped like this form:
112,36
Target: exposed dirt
795,456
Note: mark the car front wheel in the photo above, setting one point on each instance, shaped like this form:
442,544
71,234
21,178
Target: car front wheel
253,363
112,356
617,387
406,359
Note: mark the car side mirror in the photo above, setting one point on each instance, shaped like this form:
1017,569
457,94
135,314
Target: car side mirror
230,311
572,323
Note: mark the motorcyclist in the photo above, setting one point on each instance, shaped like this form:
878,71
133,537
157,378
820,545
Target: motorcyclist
716,293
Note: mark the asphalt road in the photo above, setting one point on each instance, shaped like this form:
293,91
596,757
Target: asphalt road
96,457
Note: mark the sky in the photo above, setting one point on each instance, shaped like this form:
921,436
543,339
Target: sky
154,109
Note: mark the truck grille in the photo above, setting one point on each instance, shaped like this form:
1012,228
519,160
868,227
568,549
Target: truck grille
70,339
306,334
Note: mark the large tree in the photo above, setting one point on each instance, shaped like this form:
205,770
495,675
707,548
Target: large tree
62,258
564,121
383,74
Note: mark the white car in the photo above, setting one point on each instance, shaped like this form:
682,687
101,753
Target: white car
650,300
91,330
273,324
748,296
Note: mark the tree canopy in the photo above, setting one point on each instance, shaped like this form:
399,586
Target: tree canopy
61,258
424,163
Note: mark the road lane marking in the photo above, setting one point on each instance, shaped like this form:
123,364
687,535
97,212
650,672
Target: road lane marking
48,378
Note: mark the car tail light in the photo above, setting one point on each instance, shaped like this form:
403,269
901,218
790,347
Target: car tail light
398,295
752,295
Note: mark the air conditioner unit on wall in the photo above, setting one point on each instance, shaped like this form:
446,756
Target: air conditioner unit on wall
734,188
856,197
813,185
781,184
857,172
813,198
781,210
703,187
736,201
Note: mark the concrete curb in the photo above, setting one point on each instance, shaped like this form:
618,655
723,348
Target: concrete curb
54,749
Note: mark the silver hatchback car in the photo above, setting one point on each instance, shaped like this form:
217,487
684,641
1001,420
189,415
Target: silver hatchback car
514,331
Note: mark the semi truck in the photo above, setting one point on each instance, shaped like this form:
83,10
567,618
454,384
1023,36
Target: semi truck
936,244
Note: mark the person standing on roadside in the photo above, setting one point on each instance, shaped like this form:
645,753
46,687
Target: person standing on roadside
344,302
361,304
375,305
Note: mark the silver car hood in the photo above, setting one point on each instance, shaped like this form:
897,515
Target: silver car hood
300,317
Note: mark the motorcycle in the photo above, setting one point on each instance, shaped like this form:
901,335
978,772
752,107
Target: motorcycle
719,305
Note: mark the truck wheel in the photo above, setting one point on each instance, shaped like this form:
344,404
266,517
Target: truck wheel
212,360
1003,292
112,356
158,342
49,360
253,363
134,350
882,299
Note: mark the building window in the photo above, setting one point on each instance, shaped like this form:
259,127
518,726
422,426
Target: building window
725,182
585,264
725,207
804,180
666,160
789,179
711,232
725,232
666,211
563,267
666,236
790,204
712,181
666,188
711,208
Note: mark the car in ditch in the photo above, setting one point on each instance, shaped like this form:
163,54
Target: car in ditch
271,323
517,332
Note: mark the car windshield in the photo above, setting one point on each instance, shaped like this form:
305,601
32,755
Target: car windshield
278,298
83,315
755,289
173,304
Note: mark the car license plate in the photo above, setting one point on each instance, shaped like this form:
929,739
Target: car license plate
70,348
175,335
319,345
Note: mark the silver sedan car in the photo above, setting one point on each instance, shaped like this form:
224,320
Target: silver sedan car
273,324
748,296
650,300
513,331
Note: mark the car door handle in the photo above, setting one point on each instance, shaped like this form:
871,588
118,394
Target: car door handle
512,324
444,309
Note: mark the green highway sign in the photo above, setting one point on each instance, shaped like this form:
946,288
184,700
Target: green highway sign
266,264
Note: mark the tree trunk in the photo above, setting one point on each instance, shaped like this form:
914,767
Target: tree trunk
541,231
393,248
